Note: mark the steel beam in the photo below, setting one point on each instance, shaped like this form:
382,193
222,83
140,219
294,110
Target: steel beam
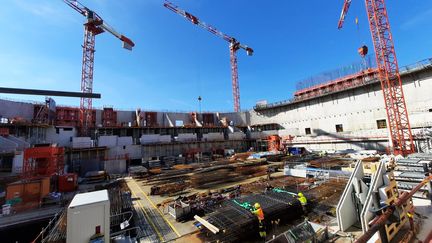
48,93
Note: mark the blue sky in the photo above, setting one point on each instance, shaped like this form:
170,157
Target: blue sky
174,61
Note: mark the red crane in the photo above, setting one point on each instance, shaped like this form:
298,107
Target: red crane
388,69
234,47
93,26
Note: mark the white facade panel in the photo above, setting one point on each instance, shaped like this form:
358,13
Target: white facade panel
107,141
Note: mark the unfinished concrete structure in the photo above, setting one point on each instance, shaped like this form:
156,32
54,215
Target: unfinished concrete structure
353,117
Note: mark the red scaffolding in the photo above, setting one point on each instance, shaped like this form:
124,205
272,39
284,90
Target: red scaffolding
350,81
109,117
43,161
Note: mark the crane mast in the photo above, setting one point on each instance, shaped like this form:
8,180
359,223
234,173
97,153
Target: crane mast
234,46
93,26
391,84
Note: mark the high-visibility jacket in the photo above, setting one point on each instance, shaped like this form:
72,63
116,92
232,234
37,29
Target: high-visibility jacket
303,200
259,213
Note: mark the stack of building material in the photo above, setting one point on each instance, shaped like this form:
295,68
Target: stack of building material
182,167
169,161
249,169
95,176
233,223
180,160
240,156
410,171
137,170
213,175
205,159
168,188
154,164
330,162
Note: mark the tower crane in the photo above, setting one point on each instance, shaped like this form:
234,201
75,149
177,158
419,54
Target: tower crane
401,139
234,46
93,26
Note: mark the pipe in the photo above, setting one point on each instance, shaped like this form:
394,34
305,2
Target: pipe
381,220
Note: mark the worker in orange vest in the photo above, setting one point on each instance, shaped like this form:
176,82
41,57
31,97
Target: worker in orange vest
260,215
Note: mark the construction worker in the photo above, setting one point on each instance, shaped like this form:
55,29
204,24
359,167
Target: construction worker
303,201
410,215
260,215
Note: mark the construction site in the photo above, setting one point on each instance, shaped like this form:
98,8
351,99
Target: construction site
347,158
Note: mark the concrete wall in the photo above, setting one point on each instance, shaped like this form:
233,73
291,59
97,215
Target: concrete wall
125,117
82,142
131,151
11,109
115,166
174,149
60,135
107,141
239,118
7,146
18,162
356,110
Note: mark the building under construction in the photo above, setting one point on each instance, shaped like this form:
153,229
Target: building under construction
348,157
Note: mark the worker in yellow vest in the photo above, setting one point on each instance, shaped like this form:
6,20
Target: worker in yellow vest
260,215
303,201
410,215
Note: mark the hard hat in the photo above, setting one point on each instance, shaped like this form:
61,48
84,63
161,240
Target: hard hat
257,205
300,194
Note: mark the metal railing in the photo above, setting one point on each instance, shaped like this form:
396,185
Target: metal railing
423,64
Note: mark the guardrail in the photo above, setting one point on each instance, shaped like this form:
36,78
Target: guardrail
423,64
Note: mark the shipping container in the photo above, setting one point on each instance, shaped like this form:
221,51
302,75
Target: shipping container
67,182
88,215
